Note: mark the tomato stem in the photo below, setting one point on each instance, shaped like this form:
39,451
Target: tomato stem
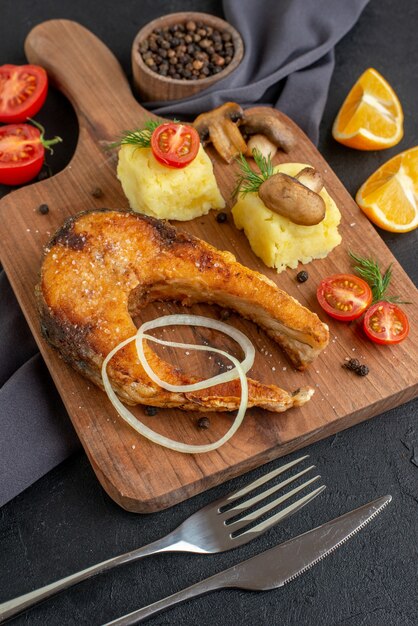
47,143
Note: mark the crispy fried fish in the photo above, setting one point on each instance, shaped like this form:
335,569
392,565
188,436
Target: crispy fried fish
103,266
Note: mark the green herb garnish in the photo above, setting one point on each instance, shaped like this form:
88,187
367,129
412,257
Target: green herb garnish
370,271
140,137
249,181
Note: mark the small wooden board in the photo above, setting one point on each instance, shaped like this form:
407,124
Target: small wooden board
137,474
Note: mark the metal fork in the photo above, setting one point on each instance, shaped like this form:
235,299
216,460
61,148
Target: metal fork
216,527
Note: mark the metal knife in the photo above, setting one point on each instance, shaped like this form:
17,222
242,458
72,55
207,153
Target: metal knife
275,567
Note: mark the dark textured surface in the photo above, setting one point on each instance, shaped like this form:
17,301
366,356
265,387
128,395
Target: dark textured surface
65,521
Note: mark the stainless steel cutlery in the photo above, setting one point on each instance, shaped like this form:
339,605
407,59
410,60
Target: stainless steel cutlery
275,567
224,524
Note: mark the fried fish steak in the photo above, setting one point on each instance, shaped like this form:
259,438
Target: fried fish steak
103,266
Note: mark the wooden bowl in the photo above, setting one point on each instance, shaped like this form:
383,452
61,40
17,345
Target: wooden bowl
150,86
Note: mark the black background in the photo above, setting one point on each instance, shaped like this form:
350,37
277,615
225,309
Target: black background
66,522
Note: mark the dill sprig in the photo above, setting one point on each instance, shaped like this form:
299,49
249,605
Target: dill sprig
140,137
370,271
249,181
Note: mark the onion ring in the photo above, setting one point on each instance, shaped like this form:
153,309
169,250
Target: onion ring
240,369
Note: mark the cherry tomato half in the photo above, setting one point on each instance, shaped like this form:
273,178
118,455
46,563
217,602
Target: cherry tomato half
23,90
344,296
386,323
22,152
175,145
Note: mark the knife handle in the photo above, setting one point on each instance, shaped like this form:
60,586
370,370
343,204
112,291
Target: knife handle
218,581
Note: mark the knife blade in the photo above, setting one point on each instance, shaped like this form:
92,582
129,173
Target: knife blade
280,565
274,567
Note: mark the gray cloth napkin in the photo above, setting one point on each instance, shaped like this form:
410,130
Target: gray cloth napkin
288,59
288,63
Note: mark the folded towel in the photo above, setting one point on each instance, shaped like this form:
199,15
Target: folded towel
288,59
288,63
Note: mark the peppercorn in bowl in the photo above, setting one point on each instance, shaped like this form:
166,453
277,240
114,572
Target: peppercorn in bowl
181,54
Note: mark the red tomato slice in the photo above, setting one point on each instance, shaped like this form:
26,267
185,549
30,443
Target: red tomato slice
21,153
175,145
23,90
344,296
386,323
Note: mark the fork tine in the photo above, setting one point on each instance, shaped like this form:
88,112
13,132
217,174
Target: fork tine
247,503
260,481
281,515
242,521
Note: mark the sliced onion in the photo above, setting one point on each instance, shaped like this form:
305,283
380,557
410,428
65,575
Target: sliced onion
194,320
239,370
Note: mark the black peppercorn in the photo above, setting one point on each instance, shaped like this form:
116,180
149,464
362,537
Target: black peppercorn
302,277
363,370
43,174
97,193
203,422
221,217
211,50
352,364
43,209
355,366
225,314
151,410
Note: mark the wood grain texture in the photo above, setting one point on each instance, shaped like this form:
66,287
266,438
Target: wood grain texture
150,86
137,474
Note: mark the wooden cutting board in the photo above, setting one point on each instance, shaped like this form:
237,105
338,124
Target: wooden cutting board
137,474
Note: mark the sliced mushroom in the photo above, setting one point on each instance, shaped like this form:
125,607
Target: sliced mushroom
311,178
264,121
286,196
220,127
262,144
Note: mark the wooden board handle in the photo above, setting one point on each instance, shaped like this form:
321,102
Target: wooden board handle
86,71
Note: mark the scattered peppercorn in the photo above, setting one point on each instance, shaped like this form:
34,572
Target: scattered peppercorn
189,51
97,193
43,174
225,314
352,364
302,277
222,217
151,410
43,209
203,422
355,366
363,370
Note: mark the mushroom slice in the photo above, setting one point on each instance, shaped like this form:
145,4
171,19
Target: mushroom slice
285,195
264,121
220,127
311,178
260,142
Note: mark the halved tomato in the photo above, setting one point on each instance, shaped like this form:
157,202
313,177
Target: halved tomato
344,296
175,145
386,323
22,152
23,90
